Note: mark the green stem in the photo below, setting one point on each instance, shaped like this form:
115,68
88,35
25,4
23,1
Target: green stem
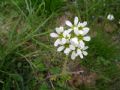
64,70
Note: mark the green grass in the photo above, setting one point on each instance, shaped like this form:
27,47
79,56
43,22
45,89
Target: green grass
28,59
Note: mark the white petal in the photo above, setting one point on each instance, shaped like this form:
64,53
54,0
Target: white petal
59,30
85,30
85,53
60,48
86,38
57,42
69,23
81,32
80,24
54,35
79,51
76,31
75,20
86,47
84,23
81,55
67,51
81,44
72,47
74,41
69,30
63,40
66,33
73,55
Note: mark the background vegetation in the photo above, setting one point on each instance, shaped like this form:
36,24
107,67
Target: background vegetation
28,59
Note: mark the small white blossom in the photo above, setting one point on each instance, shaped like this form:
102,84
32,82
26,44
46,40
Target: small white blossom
78,27
61,35
72,40
82,52
110,17
59,31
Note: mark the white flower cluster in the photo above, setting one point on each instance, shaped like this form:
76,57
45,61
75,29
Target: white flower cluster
71,39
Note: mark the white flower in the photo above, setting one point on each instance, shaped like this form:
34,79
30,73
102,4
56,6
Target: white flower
59,31
68,23
82,24
110,17
71,40
79,43
62,35
79,28
67,50
81,51
73,26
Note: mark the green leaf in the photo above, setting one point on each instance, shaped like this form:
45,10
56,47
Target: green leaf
44,87
16,77
55,70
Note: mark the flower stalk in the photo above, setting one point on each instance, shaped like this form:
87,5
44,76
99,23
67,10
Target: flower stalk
64,70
